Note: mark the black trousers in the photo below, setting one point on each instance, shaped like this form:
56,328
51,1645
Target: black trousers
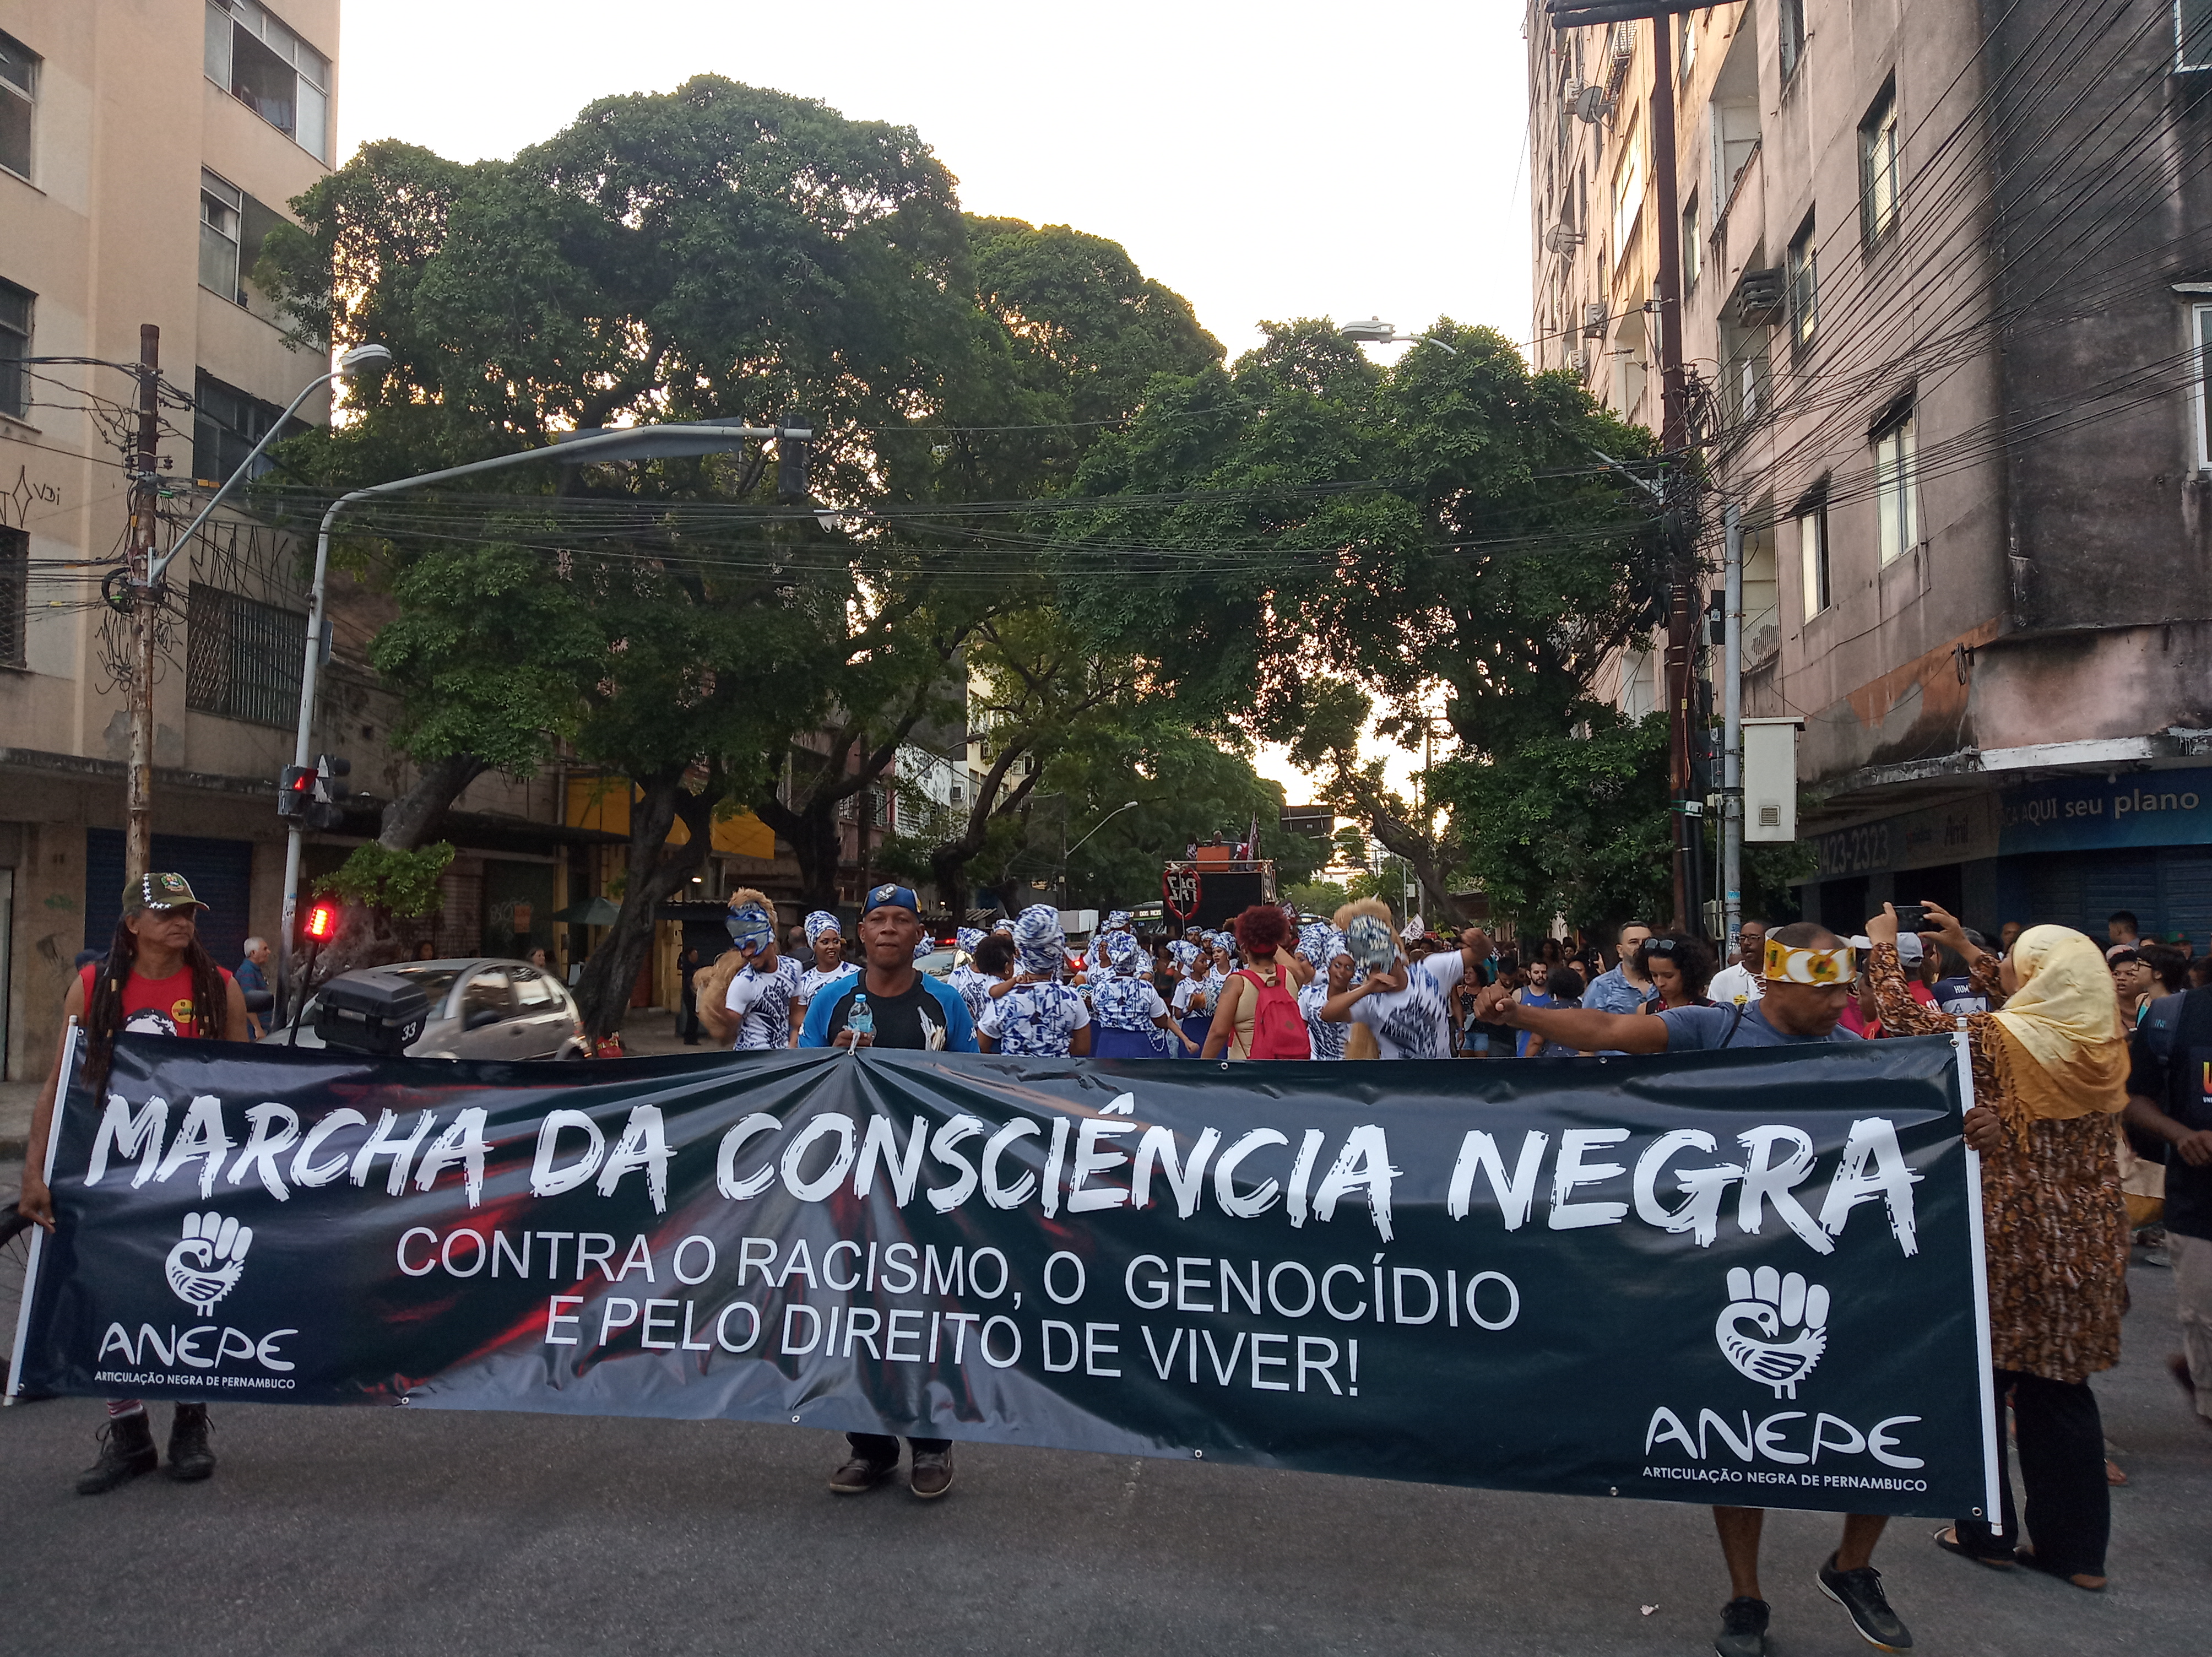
882,1447
2068,1508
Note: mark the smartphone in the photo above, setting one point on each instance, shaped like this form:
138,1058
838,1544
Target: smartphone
1911,917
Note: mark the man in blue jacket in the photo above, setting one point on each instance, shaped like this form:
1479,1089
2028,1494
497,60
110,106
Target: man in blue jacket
909,1009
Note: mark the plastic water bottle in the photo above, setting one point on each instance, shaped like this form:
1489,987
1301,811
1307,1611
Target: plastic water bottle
859,1019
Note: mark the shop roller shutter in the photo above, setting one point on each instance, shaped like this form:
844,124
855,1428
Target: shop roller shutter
221,871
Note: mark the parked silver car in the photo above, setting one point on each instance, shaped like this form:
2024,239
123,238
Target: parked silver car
481,1008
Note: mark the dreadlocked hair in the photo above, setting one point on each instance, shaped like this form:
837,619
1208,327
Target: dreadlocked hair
103,1013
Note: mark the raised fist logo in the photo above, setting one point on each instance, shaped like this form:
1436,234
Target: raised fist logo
207,1263
1771,1303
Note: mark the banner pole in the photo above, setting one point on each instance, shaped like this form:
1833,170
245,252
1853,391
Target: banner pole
38,1232
1992,1454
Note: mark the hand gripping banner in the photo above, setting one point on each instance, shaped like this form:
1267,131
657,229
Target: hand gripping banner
1751,1278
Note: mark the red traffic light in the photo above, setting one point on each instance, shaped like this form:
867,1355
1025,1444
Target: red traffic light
323,922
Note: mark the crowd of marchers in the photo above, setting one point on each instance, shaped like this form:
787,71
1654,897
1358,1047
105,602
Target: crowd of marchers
2092,1113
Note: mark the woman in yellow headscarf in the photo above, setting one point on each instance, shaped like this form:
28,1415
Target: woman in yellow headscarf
2050,1071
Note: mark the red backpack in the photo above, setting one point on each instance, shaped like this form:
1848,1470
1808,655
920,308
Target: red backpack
1278,1029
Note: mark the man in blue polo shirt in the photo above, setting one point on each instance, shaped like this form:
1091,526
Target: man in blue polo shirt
908,1009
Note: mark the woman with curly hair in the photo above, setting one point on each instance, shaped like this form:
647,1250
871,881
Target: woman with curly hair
1261,932
157,979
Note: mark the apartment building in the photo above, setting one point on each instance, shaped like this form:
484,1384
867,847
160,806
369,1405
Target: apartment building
1945,276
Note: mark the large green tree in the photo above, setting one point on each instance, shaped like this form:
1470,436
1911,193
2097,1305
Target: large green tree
717,252
1329,540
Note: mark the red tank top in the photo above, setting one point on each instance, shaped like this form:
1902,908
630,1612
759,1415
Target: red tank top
158,1006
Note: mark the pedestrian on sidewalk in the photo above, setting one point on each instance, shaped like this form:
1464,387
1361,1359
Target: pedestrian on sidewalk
1807,982
687,1016
157,979
905,1008
2050,1072
253,984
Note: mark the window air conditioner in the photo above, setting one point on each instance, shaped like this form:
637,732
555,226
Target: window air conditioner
1760,299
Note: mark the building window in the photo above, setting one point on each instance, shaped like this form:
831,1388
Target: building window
242,658
14,595
1896,478
270,71
221,212
1692,260
19,96
1813,557
227,424
1627,196
2200,338
1804,288
15,347
2192,33
1686,43
1793,36
1878,168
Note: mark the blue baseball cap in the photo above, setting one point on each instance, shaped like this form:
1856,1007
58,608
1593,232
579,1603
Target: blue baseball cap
891,895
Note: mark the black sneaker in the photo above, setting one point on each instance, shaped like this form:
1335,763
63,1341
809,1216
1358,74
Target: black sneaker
1743,1629
126,1450
1859,1593
190,1457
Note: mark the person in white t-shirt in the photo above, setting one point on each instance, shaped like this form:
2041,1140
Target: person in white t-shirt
1738,984
1407,1007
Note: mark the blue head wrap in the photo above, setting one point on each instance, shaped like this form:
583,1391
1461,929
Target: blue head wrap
1039,943
1185,952
820,922
1118,921
751,927
1122,953
968,938
925,948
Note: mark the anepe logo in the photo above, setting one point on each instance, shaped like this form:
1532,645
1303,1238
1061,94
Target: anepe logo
1770,1303
207,1263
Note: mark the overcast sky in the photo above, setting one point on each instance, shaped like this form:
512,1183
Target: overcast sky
1265,160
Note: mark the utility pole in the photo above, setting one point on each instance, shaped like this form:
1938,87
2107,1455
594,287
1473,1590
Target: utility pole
1681,610
145,602
1732,728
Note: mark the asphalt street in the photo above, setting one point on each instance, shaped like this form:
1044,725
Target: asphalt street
390,1532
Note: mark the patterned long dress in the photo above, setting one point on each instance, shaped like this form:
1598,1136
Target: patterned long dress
2054,1226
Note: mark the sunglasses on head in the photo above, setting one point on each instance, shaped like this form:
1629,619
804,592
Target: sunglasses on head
1660,945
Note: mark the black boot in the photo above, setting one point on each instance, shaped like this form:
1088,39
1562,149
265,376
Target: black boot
190,1459
126,1450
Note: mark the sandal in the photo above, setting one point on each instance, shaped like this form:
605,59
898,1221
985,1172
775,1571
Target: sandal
2081,1579
1947,1539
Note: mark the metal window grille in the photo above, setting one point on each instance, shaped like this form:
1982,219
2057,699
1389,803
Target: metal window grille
14,595
242,658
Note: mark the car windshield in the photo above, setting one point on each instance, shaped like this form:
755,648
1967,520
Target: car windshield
434,981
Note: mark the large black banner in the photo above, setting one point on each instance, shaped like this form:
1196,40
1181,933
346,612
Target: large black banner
1746,1277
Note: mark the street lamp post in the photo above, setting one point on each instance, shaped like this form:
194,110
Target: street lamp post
650,442
138,805
1376,332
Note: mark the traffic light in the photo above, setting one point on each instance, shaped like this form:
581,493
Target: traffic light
295,790
322,922
791,444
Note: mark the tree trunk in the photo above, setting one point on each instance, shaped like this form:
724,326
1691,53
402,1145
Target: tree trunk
408,820
815,841
657,870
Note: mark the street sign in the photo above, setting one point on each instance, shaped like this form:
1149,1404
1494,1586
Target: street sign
1181,888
